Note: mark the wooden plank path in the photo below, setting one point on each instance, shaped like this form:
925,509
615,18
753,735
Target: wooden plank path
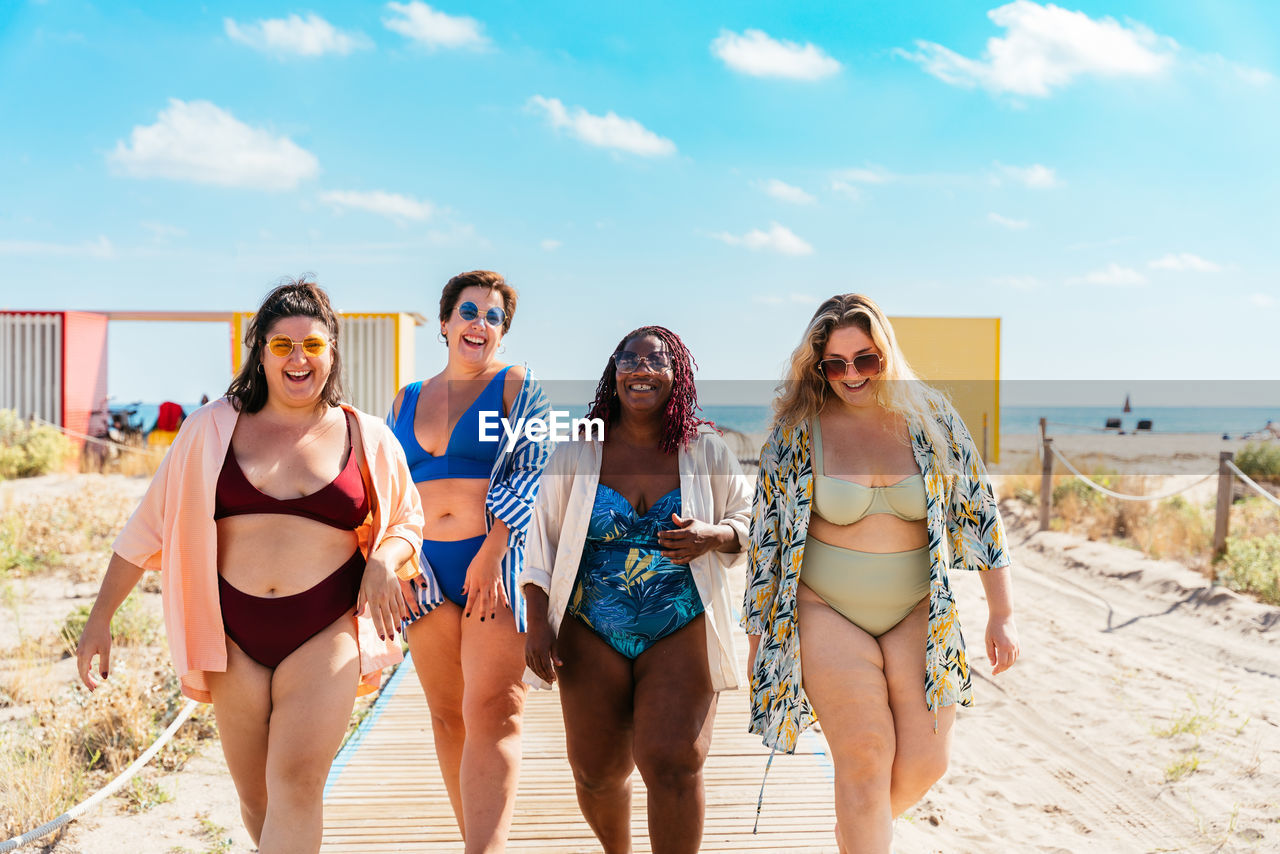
385,793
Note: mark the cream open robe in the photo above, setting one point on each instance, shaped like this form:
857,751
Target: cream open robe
712,489
173,531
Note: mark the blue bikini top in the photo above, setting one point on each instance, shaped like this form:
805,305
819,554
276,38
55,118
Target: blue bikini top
465,456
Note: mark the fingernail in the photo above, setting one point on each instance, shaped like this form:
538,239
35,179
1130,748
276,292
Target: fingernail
382,637
482,619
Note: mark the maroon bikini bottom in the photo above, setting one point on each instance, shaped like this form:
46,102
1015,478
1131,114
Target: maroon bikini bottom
269,628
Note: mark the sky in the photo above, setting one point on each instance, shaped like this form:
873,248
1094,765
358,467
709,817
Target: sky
1100,175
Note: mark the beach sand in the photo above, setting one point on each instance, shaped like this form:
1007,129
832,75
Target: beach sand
1142,716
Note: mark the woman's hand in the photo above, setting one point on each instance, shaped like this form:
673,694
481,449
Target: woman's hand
692,539
94,641
483,585
410,594
380,590
1002,642
540,651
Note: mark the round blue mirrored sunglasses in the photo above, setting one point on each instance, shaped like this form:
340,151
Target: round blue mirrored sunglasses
495,316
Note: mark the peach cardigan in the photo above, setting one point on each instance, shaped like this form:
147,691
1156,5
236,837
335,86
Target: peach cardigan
173,531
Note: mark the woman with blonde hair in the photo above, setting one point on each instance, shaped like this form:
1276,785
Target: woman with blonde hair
870,491
282,521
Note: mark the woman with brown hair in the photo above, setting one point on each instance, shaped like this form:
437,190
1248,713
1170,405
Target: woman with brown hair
633,538
261,496
870,490
478,493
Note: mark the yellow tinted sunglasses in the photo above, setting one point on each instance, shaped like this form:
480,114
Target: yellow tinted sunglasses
282,345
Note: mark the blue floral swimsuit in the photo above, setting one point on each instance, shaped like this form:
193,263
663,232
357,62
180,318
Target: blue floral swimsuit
627,592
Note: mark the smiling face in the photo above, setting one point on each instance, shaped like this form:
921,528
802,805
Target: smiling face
297,379
645,390
845,343
474,343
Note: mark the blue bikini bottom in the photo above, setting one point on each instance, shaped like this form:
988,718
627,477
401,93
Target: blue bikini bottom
448,561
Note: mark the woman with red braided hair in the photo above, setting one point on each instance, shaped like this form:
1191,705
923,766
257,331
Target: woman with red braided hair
626,580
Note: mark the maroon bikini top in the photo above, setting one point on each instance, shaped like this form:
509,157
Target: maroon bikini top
340,504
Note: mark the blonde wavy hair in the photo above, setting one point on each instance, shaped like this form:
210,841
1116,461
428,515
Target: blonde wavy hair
804,390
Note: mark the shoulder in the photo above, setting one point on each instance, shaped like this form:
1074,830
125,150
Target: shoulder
374,432
709,444
513,383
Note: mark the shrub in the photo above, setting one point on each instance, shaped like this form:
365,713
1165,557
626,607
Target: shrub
28,449
1260,461
1253,566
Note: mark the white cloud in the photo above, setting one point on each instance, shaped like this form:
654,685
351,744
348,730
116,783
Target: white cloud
1035,176
607,131
755,53
1013,224
309,36
392,205
1183,262
425,25
778,238
867,175
844,188
1046,47
1262,300
550,245
1112,274
100,248
1021,283
785,192
162,232
198,141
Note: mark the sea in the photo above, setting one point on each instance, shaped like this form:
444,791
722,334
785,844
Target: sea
1230,421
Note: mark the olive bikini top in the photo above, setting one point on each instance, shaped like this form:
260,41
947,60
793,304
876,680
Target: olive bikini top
843,502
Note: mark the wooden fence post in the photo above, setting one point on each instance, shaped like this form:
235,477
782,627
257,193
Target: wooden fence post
1046,483
1222,521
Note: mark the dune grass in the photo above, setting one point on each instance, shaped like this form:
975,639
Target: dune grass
1171,528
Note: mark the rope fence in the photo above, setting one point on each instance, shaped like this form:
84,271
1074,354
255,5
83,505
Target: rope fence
106,791
1120,495
108,443
1256,488
1227,472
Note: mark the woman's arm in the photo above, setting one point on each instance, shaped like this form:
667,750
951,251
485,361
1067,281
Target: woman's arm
95,641
1002,634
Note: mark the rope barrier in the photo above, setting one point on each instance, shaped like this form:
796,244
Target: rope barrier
1250,481
106,791
1120,495
95,439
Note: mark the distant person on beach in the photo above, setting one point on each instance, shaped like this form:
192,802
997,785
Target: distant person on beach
628,590
870,492
282,521
468,647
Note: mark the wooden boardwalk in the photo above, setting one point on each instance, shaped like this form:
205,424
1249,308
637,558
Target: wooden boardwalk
385,793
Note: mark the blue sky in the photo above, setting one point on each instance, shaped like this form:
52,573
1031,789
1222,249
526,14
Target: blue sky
1100,175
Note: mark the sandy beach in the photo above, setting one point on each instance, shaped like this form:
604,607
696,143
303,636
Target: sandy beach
1141,716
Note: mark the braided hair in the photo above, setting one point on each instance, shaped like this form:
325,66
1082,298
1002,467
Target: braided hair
681,422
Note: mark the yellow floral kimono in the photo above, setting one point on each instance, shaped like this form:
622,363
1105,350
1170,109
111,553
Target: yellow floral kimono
965,532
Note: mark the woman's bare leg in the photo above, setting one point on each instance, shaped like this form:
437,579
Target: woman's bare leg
921,755
492,707
596,690
843,672
435,642
242,709
675,708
